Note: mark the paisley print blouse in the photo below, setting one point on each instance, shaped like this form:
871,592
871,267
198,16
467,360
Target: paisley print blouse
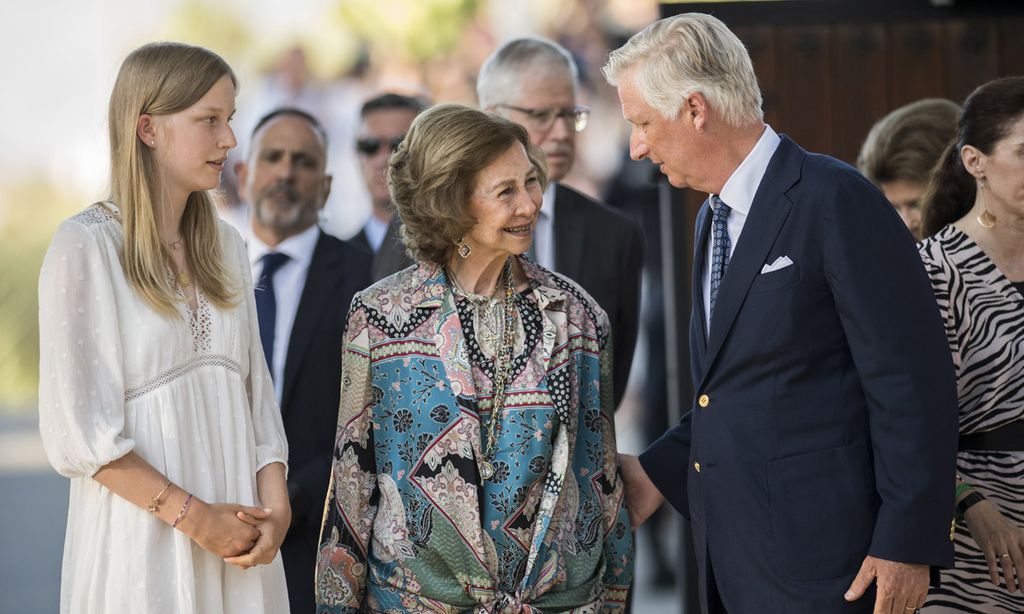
409,524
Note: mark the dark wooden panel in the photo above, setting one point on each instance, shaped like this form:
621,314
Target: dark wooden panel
972,55
1011,47
760,43
792,12
916,61
805,86
860,87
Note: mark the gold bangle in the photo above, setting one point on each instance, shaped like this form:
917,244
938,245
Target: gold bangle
154,503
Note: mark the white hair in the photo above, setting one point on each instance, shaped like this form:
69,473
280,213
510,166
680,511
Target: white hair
689,53
505,69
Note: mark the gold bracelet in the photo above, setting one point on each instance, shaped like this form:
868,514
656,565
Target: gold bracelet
154,503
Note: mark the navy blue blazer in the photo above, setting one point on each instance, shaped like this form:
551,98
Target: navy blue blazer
824,420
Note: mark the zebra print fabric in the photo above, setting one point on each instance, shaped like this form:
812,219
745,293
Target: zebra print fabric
984,317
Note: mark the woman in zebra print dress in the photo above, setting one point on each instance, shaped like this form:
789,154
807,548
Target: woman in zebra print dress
974,215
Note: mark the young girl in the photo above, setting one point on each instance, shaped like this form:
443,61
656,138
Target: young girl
154,396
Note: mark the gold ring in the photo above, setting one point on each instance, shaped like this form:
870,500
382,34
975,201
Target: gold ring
910,608
1005,556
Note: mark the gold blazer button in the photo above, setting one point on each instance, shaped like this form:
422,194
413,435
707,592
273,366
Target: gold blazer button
704,400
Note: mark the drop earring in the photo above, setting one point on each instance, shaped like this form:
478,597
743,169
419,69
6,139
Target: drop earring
985,219
463,248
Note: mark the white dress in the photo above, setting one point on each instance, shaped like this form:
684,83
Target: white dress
190,395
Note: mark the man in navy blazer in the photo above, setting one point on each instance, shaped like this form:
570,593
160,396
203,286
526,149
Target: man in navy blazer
817,462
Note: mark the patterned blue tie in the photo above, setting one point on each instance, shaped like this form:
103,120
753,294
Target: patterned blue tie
719,246
266,303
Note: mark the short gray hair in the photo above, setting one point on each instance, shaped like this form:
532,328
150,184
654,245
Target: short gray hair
689,53
503,70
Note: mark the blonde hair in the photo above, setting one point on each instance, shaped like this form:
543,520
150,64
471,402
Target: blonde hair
161,79
432,174
689,53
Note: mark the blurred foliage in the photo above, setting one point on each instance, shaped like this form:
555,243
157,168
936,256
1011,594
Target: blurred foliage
210,25
29,213
418,29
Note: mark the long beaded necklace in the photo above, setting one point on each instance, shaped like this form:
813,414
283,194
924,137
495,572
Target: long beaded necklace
502,365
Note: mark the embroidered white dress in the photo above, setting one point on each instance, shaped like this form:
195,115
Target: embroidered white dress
190,395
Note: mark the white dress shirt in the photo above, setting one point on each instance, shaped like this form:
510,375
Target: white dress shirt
289,281
375,230
738,193
544,233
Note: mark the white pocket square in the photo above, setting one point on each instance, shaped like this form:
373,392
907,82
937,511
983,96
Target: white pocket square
780,263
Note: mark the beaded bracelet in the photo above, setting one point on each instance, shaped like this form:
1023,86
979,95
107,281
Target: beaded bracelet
154,503
184,509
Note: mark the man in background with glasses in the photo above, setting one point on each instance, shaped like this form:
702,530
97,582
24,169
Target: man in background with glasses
385,120
534,82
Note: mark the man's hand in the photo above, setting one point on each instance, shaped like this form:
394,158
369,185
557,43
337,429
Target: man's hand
642,497
902,587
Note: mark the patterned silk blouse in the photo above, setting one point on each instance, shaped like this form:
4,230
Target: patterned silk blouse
409,524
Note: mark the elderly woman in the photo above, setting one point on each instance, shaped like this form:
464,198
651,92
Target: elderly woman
475,466
901,150
974,218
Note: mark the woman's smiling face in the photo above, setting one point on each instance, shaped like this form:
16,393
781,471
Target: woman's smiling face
505,201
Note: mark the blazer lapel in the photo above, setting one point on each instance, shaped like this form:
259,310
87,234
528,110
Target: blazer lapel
321,280
697,292
767,214
569,234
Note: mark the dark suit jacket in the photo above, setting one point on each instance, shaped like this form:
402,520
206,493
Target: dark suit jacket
310,399
829,430
391,257
361,241
602,249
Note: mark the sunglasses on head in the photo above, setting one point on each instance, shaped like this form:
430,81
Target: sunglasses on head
370,146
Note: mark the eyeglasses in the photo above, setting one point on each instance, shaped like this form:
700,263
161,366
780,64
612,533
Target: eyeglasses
544,119
370,146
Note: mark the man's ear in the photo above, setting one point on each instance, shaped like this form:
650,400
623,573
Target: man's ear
242,177
145,129
328,180
696,109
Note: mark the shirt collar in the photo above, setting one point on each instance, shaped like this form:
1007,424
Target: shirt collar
547,207
297,247
375,229
738,192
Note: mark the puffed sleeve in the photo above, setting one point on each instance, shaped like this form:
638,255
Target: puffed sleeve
81,382
350,508
618,539
268,427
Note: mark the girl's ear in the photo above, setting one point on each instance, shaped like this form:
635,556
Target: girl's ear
145,129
